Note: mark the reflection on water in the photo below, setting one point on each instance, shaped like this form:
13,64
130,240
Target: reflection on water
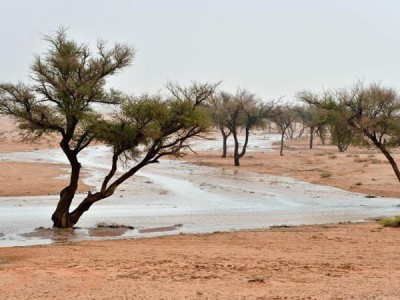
160,229
68,235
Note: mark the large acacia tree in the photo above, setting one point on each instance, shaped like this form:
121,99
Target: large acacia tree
67,81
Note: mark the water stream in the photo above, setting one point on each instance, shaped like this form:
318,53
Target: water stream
177,197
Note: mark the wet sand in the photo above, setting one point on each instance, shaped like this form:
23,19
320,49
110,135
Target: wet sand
349,261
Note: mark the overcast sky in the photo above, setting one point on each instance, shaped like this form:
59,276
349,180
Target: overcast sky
273,48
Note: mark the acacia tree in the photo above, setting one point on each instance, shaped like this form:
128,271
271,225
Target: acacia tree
373,114
245,112
67,80
218,111
313,116
341,133
283,116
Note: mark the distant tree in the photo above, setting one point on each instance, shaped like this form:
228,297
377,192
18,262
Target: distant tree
341,133
67,80
218,110
283,116
373,114
244,113
313,116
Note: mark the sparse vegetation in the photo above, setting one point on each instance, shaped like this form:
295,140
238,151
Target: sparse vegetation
361,160
319,154
326,174
390,222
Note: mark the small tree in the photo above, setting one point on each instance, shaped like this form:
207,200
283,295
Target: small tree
67,81
245,112
313,116
219,113
283,116
341,133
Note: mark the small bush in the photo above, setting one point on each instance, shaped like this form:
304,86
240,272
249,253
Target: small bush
319,154
375,161
360,160
326,174
390,222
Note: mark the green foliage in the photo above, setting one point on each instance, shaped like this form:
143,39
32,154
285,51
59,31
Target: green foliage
149,120
67,81
341,134
390,222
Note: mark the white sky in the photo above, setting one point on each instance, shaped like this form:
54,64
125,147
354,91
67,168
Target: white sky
273,48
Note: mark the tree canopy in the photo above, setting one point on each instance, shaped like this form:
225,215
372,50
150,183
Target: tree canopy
68,80
371,112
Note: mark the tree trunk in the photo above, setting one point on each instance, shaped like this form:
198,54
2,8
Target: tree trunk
311,137
246,141
84,206
388,156
224,141
282,137
301,132
61,217
322,137
392,163
236,156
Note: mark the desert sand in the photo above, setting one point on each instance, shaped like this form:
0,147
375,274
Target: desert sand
348,261
342,261
33,179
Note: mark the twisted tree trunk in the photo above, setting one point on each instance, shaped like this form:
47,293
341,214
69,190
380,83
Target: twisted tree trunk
61,217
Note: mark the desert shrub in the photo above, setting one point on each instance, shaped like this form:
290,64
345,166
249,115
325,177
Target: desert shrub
326,174
390,222
375,161
360,160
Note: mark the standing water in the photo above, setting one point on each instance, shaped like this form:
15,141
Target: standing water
176,197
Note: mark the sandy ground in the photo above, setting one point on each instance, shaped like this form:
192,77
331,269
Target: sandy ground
362,170
33,179
351,261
